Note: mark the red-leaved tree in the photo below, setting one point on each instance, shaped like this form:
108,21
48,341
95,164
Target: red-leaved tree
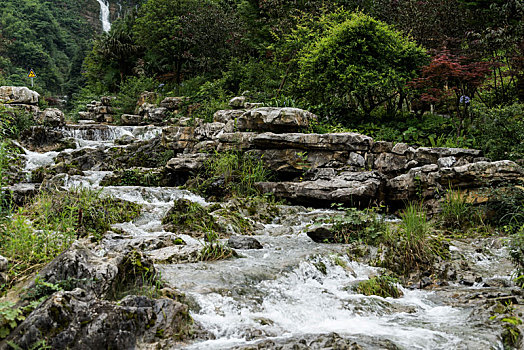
451,81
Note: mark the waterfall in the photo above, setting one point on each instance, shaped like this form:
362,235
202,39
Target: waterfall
104,15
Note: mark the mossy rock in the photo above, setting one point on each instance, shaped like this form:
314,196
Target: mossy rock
190,218
382,286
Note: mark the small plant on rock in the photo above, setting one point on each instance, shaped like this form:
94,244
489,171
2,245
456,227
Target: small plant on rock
382,286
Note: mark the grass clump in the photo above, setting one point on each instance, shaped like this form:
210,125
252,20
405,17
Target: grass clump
410,247
232,173
48,225
382,286
213,249
516,250
190,217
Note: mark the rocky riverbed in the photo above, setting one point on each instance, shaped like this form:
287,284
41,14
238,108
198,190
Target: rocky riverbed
281,289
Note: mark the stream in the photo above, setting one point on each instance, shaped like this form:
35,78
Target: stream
293,291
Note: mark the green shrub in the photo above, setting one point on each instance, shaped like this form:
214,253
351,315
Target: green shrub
239,171
499,131
505,208
516,249
213,249
382,286
129,91
354,61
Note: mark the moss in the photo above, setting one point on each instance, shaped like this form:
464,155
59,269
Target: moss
383,286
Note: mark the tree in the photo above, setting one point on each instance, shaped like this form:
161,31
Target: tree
357,63
185,36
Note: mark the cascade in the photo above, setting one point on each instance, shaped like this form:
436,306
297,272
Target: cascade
104,15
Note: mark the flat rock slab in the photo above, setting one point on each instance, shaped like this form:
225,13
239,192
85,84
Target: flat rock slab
275,119
348,141
18,94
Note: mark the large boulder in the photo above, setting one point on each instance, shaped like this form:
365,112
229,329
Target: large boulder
78,320
355,188
18,95
348,141
51,117
173,103
225,115
275,119
152,114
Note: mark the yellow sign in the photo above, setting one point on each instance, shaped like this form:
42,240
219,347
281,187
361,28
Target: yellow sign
31,74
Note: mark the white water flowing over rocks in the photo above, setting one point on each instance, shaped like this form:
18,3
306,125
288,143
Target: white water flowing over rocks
291,289
104,15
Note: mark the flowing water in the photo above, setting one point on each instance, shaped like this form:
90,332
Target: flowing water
104,15
290,290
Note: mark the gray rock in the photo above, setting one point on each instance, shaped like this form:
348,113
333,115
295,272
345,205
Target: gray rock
237,102
356,159
357,188
322,234
250,105
175,254
78,320
51,117
329,142
152,114
275,119
20,95
3,263
173,103
446,162
22,193
187,163
226,115
178,137
244,242
131,119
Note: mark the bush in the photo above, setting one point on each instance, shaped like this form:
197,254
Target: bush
130,89
190,217
499,131
516,249
456,213
355,61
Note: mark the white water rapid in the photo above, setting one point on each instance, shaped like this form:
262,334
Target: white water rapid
290,292
104,15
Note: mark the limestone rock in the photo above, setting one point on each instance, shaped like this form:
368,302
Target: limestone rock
187,163
152,114
20,95
329,142
321,234
22,193
226,115
131,119
51,117
175,254
357,188
275,119
236,140
237,102
3,263
243,242
481,174
173,103
77,320
178,138
146,97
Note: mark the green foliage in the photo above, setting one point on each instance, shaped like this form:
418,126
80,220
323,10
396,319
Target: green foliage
505,208
48,38
239,171
516,249
356,62
187,216
14,122
130,89
357,225
499,131
456,212
5,157
41,230
383,286
213,249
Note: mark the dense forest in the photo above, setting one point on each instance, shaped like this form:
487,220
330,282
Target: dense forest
378,70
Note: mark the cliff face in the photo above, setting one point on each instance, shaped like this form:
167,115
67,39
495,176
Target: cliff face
117,9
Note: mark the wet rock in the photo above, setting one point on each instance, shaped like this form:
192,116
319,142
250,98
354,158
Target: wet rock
44,139
125,140
237,102
243,242
77,319
275,119
175,254
19,95
321,234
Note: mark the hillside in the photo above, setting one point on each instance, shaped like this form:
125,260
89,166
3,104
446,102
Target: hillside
52,37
